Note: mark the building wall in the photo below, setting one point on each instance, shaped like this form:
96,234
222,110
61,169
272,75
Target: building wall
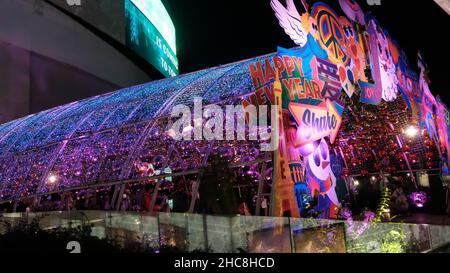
14,82
48,59
54,83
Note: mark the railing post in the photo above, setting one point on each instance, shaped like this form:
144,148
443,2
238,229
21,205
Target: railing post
205,231
262,179
113,199
15,206
291,235
119,198
159,229
158,181
196,186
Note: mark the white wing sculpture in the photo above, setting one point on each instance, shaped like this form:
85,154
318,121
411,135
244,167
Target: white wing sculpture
290,20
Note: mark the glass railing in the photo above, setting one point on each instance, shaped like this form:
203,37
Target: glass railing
248,234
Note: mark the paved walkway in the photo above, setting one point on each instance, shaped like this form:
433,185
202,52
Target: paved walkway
418,218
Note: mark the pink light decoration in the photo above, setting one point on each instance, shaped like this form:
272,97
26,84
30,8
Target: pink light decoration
419,199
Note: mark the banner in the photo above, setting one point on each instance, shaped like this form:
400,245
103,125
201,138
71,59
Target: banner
383,69
315,122
408,84
443,124
370,93
426,103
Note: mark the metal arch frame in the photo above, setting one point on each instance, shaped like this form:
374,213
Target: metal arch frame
167,104
140,142
118,191
16,129
38,120
63,145
8,126
158,181
63,110
170,102
262,179
196,186
13,127
144,135
226,73
123,182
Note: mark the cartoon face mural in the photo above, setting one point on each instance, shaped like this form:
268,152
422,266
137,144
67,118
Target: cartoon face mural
321,180
349,30
310,25
384,69
353,11
319,161
354,50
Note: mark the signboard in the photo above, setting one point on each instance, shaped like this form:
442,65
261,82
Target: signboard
316,122
150,33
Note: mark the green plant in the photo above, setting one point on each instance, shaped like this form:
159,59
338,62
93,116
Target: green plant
384,205
393,242
216,187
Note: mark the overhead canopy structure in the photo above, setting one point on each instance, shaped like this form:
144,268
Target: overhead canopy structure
99,139
102,139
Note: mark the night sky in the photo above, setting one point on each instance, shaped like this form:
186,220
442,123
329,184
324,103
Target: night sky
214,32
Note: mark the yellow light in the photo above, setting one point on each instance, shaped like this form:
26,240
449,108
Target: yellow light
52,179
411,131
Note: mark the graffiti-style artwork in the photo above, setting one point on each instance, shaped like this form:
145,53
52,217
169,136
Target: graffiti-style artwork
383,68
426,103
289,19
443,124
329,74
347,79
308,55
331,34
316,122
353,11
354,50
407,79
321,180
333,56
370,93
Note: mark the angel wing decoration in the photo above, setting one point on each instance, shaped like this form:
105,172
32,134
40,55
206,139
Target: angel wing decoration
290,20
